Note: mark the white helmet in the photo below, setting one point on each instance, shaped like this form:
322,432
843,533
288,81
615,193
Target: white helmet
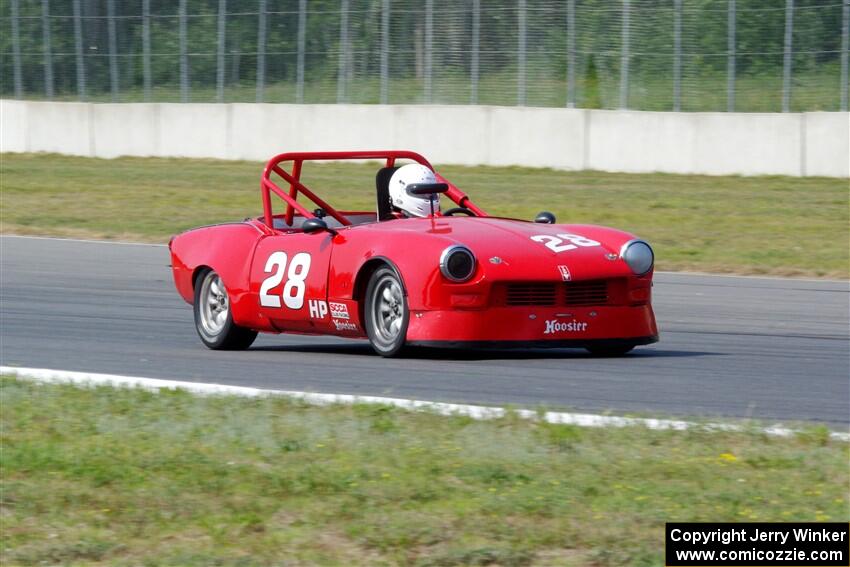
415,205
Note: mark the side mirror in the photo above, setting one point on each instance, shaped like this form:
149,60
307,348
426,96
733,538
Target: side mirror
545,217
309,226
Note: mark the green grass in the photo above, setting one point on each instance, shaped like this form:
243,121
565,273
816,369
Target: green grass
128,477
752,225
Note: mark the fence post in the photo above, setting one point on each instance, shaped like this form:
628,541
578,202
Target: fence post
845,46
48,53
521,49
302,40
786,64
624,58
78,48
219,74
146,48
113,49
677,55
476,45
261,51
343,53
730,57
385,51
16,52
429,45
571,53
184,57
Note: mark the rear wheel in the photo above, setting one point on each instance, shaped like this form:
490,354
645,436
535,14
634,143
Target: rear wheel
386,312
213,319
618,350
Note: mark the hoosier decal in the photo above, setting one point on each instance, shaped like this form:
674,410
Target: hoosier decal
554,326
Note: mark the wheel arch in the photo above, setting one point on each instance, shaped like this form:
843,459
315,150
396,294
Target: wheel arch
364,274
197,273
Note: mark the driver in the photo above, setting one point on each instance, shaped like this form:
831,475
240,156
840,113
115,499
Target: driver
413,205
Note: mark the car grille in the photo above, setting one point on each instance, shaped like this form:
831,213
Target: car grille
594,292
543,294
532,294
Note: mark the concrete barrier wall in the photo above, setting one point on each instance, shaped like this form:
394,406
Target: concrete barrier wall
707,143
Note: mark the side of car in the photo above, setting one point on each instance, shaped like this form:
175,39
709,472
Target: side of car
242,278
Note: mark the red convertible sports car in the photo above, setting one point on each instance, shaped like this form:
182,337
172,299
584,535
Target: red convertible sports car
412,272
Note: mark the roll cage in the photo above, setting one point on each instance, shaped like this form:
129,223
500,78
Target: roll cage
296,187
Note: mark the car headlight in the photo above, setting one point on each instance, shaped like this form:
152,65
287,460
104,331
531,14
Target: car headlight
638,255
457,263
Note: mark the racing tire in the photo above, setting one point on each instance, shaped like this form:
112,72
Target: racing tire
610,351
213,317
386,312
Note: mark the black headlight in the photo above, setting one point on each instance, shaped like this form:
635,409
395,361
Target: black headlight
457,263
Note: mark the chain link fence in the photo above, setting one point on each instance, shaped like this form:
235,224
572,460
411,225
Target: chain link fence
688,55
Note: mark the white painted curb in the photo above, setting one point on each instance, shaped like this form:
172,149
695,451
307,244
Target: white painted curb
47,376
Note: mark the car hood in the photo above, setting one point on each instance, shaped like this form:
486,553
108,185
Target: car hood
520,250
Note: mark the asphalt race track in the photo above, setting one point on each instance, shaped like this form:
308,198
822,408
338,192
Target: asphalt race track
745,347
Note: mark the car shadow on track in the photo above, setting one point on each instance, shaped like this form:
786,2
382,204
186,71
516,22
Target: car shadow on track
448,354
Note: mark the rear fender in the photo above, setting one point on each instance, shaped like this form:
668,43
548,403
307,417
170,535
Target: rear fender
228,249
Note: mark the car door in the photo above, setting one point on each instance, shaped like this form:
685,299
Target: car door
289,275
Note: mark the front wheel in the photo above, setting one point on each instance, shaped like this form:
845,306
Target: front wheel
386,312
213,319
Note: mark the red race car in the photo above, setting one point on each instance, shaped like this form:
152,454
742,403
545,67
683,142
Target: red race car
412,272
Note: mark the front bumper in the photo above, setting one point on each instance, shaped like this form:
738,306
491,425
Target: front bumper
524,327
558,343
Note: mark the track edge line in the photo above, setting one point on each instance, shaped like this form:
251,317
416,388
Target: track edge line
50,376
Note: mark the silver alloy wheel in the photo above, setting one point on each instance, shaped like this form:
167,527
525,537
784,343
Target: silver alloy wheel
388,309
214,305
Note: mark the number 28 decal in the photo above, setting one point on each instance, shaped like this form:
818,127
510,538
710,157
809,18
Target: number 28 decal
293,290
556,243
